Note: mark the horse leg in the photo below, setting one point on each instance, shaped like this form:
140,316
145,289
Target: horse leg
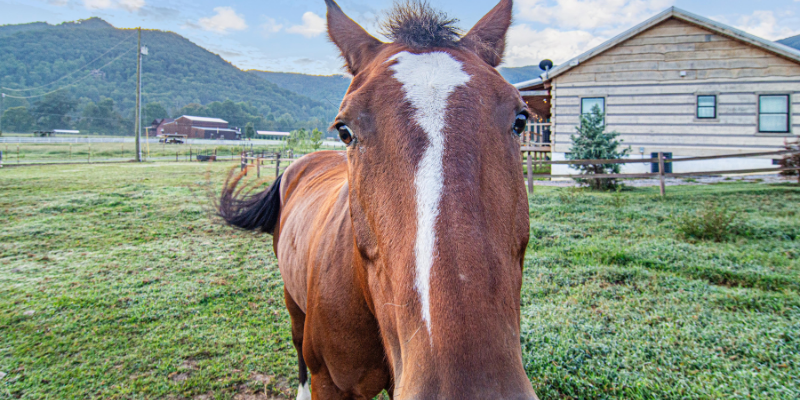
298,323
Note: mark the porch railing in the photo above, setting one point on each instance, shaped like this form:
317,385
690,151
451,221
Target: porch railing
537,134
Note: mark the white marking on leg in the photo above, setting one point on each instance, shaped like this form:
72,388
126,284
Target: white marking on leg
428,81
303,392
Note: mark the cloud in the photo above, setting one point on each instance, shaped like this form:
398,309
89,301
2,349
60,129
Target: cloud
131,5
766,25
527,46
313,25
97,4
590,14
225,20
128,5
572,26
269,27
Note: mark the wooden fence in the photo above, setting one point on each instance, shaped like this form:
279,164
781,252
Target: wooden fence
258,162
661,174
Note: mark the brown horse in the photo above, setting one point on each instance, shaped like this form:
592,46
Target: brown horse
402,256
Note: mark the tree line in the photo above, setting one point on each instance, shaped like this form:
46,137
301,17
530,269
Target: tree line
60,110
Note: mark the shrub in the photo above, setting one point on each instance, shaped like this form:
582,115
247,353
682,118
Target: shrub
709,223
593,143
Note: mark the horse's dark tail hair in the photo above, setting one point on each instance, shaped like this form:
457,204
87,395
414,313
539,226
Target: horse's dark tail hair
247,210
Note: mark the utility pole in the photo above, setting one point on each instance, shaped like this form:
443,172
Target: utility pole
138,98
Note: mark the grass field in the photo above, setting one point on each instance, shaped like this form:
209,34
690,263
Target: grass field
116,284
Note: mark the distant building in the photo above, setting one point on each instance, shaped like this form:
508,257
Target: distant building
270,135
680,84
156,127
201,128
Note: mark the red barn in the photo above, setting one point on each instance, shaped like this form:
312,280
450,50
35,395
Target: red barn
156,127
201,128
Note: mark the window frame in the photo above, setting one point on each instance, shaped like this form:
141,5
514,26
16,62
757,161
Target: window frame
788,113
605,104
697,107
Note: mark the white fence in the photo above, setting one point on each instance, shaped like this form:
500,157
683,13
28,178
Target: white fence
247,143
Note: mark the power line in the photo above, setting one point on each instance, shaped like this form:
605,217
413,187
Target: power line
73,72
71,84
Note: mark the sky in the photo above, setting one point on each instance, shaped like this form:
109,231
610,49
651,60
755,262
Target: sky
289,35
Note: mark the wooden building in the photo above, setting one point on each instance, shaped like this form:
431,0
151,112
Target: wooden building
677,83
201,128
156,127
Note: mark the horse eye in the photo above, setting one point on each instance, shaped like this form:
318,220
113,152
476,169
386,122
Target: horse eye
345,133
520,123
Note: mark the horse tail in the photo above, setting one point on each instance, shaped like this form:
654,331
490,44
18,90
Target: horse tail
247,210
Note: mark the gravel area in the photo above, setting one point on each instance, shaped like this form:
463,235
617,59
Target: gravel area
697,180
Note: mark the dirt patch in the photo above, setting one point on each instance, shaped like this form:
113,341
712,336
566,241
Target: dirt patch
179,376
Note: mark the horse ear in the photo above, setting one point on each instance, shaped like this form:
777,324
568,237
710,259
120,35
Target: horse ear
357,46
488,37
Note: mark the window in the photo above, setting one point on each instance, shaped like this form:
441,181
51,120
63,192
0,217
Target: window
706,107
773,113
587,104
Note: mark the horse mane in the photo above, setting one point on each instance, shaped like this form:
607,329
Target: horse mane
416,24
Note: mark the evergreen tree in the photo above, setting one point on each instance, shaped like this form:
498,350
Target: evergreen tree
593,143
249,131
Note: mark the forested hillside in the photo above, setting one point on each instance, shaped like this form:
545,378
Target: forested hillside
329,88
101,88
793,42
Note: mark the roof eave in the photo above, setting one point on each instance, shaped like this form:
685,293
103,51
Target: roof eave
674,12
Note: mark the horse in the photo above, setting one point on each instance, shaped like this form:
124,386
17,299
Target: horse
402,256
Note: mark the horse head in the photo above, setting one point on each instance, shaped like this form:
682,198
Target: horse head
437,200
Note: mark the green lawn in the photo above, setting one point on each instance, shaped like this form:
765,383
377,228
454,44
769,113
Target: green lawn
115,283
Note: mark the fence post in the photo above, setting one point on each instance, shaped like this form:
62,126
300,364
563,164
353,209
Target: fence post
530,173
277,164
258,167
244,163
661,172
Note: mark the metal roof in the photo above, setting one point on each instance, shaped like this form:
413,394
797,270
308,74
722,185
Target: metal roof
204,128
672,12
204,119
272,133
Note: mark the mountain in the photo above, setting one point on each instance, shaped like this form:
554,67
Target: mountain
329,88
332,88
793,42
102,62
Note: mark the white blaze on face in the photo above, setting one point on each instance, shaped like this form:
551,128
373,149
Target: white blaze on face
428,81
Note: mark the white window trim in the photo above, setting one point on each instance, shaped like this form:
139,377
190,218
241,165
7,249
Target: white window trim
790,133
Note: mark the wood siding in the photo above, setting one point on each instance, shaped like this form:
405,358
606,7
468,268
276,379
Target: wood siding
652,106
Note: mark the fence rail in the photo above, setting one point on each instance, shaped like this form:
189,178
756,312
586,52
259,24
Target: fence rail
661,175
